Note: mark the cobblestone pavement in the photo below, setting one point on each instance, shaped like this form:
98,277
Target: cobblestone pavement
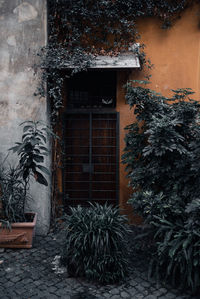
32,274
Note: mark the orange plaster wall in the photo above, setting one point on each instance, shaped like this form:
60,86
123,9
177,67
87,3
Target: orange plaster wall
175,54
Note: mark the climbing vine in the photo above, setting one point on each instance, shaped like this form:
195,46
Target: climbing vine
82,29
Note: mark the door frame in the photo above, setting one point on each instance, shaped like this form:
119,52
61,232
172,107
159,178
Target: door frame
94,111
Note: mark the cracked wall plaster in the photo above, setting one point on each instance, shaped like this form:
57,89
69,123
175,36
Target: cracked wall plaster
22,34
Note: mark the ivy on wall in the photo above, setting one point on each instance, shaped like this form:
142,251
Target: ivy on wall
92,22
79,30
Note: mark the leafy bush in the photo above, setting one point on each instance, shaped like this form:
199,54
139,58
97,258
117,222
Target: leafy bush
162,157
178,256
162,152
95,245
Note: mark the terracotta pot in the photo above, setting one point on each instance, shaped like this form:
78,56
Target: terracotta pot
20,236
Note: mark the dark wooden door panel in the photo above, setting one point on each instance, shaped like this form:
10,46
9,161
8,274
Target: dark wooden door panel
91,158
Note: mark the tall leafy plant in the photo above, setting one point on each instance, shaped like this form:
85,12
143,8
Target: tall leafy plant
15,181
161,152
31,151
162,160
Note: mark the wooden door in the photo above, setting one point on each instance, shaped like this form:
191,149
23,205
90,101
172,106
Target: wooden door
90,158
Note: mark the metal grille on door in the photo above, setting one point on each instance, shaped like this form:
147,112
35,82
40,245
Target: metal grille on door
90,158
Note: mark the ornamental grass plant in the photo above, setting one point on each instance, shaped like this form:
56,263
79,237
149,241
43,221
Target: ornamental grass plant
95,243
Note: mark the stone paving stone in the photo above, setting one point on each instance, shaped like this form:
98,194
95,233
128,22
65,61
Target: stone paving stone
8,284
138,280
114,291
41,287
28,274
18,271
157,293
132,283
27,281
163,290
11,293
4,280
145,284
146,292
62,292
53,296
81,289
20,291
133,291
37,282
115,297
107,295
124,295
42,294
15,279
152,289
52,289
139,296
100,296
170,296
49,283
140,288
166,296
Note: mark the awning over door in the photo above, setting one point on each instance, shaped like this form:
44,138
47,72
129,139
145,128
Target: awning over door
127,60
120,62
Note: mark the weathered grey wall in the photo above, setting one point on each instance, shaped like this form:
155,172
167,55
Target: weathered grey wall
22,33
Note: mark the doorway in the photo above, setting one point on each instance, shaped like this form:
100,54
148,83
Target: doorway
91,137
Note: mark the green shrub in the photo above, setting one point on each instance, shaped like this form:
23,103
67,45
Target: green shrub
177,258
162,155
162,152
95,243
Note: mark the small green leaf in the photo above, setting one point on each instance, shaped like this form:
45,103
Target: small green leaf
40,178
44,169
26,128
38,158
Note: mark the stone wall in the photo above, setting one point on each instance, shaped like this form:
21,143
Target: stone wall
23,32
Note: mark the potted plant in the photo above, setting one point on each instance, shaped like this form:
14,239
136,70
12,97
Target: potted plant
17,226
